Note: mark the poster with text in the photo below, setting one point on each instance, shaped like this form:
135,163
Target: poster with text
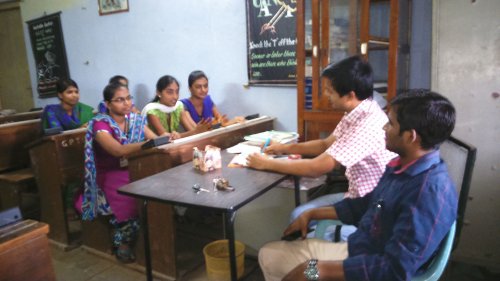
272,40
49,52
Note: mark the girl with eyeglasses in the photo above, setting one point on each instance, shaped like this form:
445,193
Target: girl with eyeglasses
110,138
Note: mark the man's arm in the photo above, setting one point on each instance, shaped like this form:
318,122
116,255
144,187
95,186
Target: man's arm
302,222
310,148
303,167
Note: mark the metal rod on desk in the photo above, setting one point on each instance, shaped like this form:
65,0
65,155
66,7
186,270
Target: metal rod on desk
296,183
145,229
232,252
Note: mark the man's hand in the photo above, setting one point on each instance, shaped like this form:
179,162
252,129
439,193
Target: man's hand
258,161
299,224
276,148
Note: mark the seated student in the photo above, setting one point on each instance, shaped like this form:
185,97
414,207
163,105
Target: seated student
200,105
165,113
69,113
109,140
357,143
401,222
116,79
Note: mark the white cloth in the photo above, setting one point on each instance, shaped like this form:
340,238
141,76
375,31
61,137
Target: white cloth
159,106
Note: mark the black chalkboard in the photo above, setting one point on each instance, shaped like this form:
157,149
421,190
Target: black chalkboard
272,40
49,52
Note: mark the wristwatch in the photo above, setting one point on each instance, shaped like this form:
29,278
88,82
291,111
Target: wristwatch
311,272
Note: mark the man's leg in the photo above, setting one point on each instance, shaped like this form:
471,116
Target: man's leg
278,258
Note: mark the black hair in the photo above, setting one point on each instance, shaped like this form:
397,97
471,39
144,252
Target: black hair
65,83
351,74
109,91
117,78
163,83
430,114
195,75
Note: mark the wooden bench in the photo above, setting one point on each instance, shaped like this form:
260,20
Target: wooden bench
58,165
17,182
13,140
25,253
18,188
21,117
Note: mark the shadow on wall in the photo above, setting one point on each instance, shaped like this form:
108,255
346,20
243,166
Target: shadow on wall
142,96
233,103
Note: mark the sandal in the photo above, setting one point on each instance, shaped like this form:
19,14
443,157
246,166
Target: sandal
124,254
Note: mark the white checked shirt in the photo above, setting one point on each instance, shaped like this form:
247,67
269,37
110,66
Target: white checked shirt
360,147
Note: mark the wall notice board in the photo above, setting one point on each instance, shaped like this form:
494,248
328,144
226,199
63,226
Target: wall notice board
272,40
49,52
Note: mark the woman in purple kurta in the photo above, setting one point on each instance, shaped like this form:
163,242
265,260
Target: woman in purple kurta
110,138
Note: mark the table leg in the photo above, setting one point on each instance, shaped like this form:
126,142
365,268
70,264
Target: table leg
296,182
145,229
229,218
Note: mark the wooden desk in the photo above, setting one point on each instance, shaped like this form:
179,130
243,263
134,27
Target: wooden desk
146,163
25,253
57,162
13,139
174,187
150,162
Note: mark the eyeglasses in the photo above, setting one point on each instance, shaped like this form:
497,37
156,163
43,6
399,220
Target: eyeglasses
122,100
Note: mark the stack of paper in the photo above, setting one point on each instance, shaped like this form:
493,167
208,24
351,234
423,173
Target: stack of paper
244,148
275,136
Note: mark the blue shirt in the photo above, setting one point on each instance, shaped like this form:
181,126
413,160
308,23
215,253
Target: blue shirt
401,222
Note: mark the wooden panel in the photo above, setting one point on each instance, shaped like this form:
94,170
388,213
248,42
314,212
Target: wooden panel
57,162
97,234
25,253
13,139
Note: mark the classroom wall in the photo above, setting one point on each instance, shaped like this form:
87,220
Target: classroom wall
466,68
162,37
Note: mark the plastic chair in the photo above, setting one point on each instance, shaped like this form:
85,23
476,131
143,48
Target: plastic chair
459,157
435,268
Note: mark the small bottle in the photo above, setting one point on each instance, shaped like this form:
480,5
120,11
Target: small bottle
197,158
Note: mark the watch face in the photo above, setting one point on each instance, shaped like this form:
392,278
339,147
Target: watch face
311,272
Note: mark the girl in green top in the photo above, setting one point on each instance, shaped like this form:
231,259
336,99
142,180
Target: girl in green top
165,113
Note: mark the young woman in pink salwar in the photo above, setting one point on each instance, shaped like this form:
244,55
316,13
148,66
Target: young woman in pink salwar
109,140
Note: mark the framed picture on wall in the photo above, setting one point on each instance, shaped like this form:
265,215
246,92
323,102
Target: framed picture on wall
107,7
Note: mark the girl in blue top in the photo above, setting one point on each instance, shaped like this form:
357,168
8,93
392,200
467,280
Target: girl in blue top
200,106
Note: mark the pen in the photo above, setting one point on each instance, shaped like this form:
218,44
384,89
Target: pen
268,141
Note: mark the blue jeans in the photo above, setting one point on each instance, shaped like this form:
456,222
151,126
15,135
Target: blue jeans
324,201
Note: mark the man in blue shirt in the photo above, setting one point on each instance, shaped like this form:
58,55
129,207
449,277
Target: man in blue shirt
400,223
